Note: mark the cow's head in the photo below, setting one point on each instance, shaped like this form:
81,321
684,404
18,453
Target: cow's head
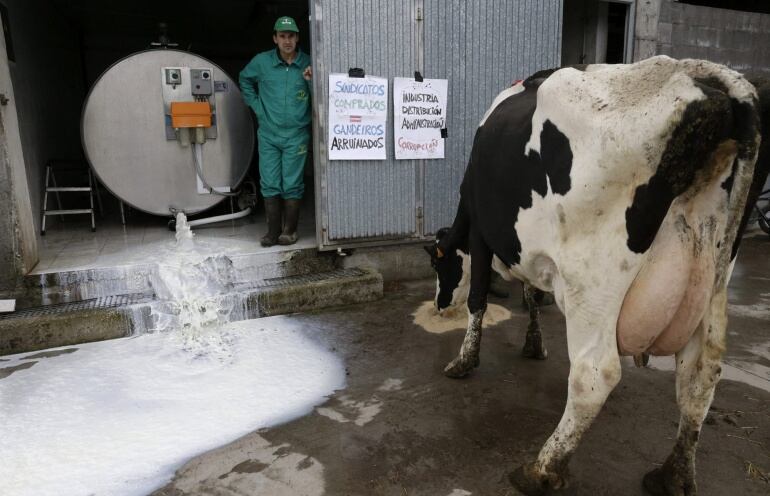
452,268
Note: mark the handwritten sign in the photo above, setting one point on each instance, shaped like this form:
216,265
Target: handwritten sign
419,115
358,110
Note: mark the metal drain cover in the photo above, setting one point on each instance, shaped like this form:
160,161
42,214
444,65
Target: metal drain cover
78,306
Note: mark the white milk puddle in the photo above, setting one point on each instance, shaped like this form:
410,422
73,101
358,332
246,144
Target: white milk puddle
119,417
429,319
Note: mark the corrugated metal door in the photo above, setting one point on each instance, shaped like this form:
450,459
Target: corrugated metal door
362,201
480,46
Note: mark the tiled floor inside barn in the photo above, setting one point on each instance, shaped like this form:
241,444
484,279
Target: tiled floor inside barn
70,245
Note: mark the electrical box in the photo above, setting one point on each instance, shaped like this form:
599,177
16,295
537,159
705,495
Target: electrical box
194,87
190,114
201,83
173,76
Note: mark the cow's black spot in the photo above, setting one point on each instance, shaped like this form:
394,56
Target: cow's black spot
712,82
727,184
704,124
501,179
537,78
745,128
556,158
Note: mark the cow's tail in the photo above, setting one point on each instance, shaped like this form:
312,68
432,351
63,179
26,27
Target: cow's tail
745,109
762,167
747,127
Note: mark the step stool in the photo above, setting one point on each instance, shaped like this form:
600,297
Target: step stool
51,187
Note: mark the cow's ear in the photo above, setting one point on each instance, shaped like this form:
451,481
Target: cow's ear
439,253
428,250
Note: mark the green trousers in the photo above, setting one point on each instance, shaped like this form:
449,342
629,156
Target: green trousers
282,164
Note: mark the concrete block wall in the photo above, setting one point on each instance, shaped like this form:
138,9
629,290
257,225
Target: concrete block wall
8,245
18,243
740,40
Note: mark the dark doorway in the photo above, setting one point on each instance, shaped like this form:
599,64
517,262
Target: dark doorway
616,32
595,32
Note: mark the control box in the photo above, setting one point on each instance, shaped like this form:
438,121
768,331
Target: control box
188,85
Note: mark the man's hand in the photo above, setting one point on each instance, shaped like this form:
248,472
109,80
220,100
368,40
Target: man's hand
308,74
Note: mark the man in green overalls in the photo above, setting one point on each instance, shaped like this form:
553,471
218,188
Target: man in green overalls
276,85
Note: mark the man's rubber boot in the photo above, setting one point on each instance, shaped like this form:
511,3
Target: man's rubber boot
273,215
290,221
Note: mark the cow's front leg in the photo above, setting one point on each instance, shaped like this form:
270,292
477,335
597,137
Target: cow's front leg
468,358
698,368
533,346
481,266
594,373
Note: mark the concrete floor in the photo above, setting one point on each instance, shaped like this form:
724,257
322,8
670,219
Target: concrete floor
401,428
70,245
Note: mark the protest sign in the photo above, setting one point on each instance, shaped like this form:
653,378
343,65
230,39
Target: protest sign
358,110
419,115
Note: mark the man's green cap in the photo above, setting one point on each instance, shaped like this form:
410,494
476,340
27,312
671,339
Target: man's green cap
285,23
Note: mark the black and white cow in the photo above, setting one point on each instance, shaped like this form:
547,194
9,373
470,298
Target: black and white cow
620,188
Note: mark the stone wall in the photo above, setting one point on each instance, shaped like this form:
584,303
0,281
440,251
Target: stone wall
740,40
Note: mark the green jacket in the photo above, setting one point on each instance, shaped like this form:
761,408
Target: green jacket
277,92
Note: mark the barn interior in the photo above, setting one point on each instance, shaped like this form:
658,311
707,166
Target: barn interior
596,32
57,49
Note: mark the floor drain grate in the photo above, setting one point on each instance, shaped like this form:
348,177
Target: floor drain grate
279,282
78,306
134,298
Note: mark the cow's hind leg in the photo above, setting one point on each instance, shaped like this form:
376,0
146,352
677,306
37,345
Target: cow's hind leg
533,346
697,373
594,373
481,266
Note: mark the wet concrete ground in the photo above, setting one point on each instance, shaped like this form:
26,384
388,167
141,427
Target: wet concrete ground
401,428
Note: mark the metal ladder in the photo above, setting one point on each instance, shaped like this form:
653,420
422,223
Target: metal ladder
51,187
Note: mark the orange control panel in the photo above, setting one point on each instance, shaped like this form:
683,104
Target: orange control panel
190,114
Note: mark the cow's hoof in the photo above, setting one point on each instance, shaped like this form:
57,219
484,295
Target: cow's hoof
532,483
662,482
537,353
460,367
533,346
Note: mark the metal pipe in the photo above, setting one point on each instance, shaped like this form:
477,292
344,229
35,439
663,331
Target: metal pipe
198,159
